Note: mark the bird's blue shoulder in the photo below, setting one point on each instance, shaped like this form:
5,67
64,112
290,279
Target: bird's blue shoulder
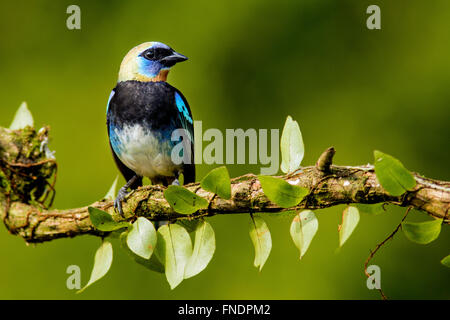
182,108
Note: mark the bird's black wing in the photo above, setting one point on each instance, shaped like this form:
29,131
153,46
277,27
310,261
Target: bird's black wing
126,172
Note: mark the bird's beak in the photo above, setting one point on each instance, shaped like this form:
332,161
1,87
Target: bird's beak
175,57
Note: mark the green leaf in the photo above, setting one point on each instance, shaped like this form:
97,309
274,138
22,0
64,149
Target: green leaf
303,229
373,209
422,232
22,118
262,241
204,247
111,195
142,238
218,181
292,148
103,220
184,201
176,248
446,261
181,179
350,219
392,175
153,264
281,192
102,263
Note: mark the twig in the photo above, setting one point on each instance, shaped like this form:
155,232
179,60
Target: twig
372,253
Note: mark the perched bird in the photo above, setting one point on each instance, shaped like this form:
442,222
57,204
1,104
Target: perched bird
143,111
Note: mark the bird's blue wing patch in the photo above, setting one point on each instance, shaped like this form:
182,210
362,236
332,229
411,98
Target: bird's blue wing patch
114,139
111,95
182,108
186,123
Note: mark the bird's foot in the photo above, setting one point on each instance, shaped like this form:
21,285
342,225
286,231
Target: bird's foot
121,195
176,182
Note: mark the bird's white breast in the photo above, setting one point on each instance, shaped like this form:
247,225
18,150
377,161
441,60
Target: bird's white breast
144,152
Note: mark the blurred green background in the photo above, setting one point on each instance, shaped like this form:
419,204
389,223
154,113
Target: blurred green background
251,64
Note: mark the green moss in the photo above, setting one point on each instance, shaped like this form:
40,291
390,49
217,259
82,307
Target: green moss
5,186
25,182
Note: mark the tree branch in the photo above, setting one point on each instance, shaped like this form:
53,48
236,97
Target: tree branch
25,171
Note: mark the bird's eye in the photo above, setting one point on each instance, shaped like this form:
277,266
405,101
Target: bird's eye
149,54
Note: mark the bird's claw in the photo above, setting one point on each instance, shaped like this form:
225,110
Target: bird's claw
121,195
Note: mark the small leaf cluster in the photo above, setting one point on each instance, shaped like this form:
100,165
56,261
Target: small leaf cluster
169,249
397,180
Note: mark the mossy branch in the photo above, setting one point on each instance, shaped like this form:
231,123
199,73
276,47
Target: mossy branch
25,172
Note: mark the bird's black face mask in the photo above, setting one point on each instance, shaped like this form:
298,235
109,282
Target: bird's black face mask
167,57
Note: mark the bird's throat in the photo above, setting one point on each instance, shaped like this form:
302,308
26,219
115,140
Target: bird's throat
161,76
